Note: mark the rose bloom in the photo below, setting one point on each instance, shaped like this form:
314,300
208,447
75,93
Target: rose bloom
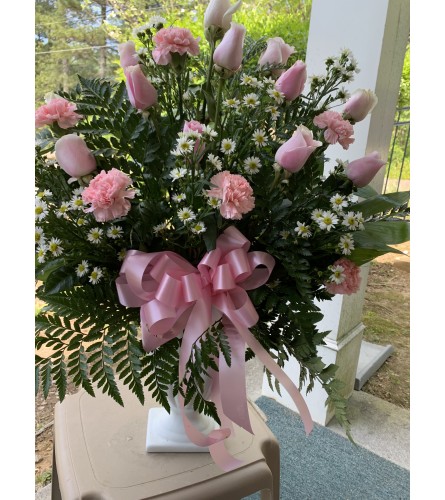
337,129
168,40
362,171
234,192
57,110
108,194
351,283
293,154
277,52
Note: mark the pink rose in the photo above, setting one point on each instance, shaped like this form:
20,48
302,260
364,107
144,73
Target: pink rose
362,171
349,277
108,194
57,110
234,192
140,91
291,82
171,40
73,156
360,104
277,52
219,13
293,154
337,129
127,54
229,53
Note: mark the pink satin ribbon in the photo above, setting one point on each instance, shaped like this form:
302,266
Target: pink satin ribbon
176,297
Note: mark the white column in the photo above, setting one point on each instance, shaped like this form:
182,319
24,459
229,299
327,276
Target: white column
377,33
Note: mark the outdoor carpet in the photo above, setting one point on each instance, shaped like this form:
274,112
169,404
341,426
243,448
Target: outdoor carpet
326,465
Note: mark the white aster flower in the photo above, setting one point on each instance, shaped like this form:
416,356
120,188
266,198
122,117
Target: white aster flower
337,275
214,202
95,235
46,193
274,113
63,209
231,103
78,191
338,202
178,173
121,254
159,227
96,275
228,146
350,221
41,253
82,268
184,146
303,230
114,232
156,21
252,165
40,237
346,244
215,161
353,198
55,247
327,220
251,100
259,138
81,221
246,79
316,214
76,203
178,197
268,81
198,228
207,130
186,214
285,234
276,95
41,209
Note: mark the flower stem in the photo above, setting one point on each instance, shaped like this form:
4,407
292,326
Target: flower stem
218,105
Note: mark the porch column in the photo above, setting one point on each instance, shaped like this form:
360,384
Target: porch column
377,33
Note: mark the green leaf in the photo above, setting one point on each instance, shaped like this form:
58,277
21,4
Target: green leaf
381,233
361,256
210,235
382,203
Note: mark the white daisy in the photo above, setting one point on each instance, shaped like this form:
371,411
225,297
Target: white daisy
214,202
268,81
63,209
316,214
198,228
353,198
303,230
78,191
276,95
40,237
121,254
41,253
327,220
337,275
338,202
159,227
186,214
246,79
251,100
178,173
274,113
350,220
96,275
231,103
228,146
346,244
95,235
82,268
114,232
41,209
252,165
285,234
215,161
55,247
81,221
178,197
76,203
184,146
207,130
259,138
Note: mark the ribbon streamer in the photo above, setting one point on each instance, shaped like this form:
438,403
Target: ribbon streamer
175,297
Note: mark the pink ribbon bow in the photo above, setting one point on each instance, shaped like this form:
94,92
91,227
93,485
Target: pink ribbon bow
176,297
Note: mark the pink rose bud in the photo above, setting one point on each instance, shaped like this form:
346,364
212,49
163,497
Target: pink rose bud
277,52
141,92
73,156
219,13
362,171
229,53
360,104
293,154
127,53
291,82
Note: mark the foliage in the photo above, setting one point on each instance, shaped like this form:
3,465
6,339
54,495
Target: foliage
92,339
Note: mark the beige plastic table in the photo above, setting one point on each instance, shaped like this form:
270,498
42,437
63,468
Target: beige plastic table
99,454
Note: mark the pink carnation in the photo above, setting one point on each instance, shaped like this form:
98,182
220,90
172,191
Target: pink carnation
351,278
168,40
57,110
234,192
337,129
108,194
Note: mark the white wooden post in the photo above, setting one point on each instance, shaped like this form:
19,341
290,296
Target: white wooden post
377,33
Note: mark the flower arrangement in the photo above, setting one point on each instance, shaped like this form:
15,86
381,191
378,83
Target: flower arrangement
185,222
